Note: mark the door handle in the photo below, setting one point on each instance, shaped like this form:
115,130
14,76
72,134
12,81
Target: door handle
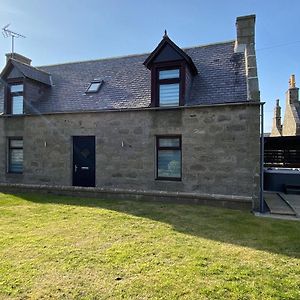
75,168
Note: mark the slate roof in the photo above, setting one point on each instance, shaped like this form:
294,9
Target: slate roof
127,82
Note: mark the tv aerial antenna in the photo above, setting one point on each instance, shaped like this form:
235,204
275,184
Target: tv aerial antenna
9,33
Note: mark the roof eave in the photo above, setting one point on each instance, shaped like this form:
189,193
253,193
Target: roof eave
6,68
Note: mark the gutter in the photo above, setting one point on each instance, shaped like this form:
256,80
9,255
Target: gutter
144,109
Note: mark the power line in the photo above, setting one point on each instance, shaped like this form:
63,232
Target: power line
277,46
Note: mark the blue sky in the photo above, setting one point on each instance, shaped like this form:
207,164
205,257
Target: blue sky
65,30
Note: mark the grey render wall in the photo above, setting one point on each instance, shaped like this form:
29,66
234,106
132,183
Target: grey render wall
220,148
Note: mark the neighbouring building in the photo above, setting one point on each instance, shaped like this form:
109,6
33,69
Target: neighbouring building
291,121
172,124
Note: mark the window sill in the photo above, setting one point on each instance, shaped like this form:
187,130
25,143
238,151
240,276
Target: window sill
12,115
14,173
169,106
168,179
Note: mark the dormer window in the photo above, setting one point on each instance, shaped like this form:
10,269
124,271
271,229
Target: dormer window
94,86
16,74
172,72
168,87
15,99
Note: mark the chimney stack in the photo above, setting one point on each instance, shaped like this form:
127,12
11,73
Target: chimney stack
245,32
277,127
292,94
18,57
245,43
291,122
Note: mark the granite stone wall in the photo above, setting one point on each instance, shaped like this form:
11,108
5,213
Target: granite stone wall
220,148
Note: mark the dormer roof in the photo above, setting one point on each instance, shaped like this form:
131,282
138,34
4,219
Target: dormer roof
167,50
26,71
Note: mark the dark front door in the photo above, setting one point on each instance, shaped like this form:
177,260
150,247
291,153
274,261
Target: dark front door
84,160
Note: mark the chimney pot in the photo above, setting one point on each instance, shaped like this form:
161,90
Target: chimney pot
292,94
292,82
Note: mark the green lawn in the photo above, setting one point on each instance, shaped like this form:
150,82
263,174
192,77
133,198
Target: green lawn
67,248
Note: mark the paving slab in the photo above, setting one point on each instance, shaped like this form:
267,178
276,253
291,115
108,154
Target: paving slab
277,205
293,200
277,216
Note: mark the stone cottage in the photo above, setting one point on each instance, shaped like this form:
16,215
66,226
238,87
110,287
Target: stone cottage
291,121
176,123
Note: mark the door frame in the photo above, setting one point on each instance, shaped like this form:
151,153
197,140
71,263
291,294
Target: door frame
72,158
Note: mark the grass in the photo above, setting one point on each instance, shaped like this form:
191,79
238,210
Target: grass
55,247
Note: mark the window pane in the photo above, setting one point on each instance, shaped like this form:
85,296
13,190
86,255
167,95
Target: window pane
16,143
169,94
169,163
170,142
169,74
17,105
16,160
16,88
94,87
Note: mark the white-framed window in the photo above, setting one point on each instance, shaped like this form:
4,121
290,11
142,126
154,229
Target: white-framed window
94,86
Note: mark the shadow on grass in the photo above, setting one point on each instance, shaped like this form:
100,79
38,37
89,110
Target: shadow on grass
218,224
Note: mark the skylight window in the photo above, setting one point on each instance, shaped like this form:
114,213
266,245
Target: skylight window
94,86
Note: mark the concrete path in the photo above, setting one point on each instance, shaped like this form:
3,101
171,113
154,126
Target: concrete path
294,201
277,205
277,216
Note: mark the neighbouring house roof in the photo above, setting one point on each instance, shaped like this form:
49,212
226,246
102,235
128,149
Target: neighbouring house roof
221,78
27,71
298,110
297,116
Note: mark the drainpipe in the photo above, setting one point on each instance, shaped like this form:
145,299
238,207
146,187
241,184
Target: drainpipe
261,182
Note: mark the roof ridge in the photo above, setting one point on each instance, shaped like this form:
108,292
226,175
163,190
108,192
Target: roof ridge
92,60
129,55
209,44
